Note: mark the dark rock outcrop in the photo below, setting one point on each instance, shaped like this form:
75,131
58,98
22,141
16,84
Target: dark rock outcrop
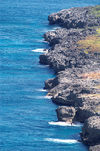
77,81
91,130
64,52
75,18
65,113
84,113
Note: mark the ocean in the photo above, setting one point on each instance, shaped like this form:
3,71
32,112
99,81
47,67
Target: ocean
27,116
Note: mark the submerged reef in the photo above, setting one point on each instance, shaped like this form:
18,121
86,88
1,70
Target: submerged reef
74,55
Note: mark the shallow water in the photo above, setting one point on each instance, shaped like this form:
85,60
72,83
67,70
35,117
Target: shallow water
25,112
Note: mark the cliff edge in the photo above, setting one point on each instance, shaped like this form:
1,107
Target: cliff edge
74,54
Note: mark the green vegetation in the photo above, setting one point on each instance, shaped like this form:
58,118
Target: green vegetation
96,11
91,43
98,31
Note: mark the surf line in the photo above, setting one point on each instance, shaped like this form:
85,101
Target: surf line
68,141
59,123
40,50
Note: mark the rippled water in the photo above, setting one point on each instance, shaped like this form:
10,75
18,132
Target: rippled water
27,117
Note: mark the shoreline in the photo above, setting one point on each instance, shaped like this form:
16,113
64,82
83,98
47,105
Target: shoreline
74,55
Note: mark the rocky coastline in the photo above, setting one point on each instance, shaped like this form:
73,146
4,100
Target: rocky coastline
74,55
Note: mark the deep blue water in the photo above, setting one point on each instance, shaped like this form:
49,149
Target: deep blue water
24,110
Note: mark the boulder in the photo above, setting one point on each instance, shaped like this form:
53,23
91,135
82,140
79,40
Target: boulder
91,131
65,113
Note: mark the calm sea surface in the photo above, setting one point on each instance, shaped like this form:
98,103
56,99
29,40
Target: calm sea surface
25,112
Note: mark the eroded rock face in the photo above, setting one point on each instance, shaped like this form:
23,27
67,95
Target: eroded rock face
64,52
91,130
84,113
74,18
50,83
76,85
65,113
95,148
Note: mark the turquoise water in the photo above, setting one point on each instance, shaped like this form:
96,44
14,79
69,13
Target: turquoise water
24,109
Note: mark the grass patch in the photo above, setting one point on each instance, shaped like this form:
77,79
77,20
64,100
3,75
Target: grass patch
96,11
91,43
98,31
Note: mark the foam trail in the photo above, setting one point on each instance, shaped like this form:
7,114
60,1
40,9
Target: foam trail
41,90
68,141
48,97
40,50
45,41
43,97
65,124
43,66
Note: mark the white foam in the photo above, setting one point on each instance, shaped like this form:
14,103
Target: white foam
43,97
41,90
40,50
43,66
48,97
65,124
45,41
68,141
55,28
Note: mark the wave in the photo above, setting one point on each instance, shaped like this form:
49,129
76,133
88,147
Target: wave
41,90
68,141
43,97
53,29
48,97
42,66
44,41
65,124
40,50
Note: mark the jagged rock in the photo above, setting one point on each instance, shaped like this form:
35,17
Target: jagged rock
65,113
43,59
91,130
67,37
75,18
95,148
87,105
64,52
84,113
50,83
72,64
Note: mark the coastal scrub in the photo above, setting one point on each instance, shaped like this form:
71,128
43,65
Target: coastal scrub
90,43
96,11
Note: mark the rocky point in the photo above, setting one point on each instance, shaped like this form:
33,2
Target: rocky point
74,54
